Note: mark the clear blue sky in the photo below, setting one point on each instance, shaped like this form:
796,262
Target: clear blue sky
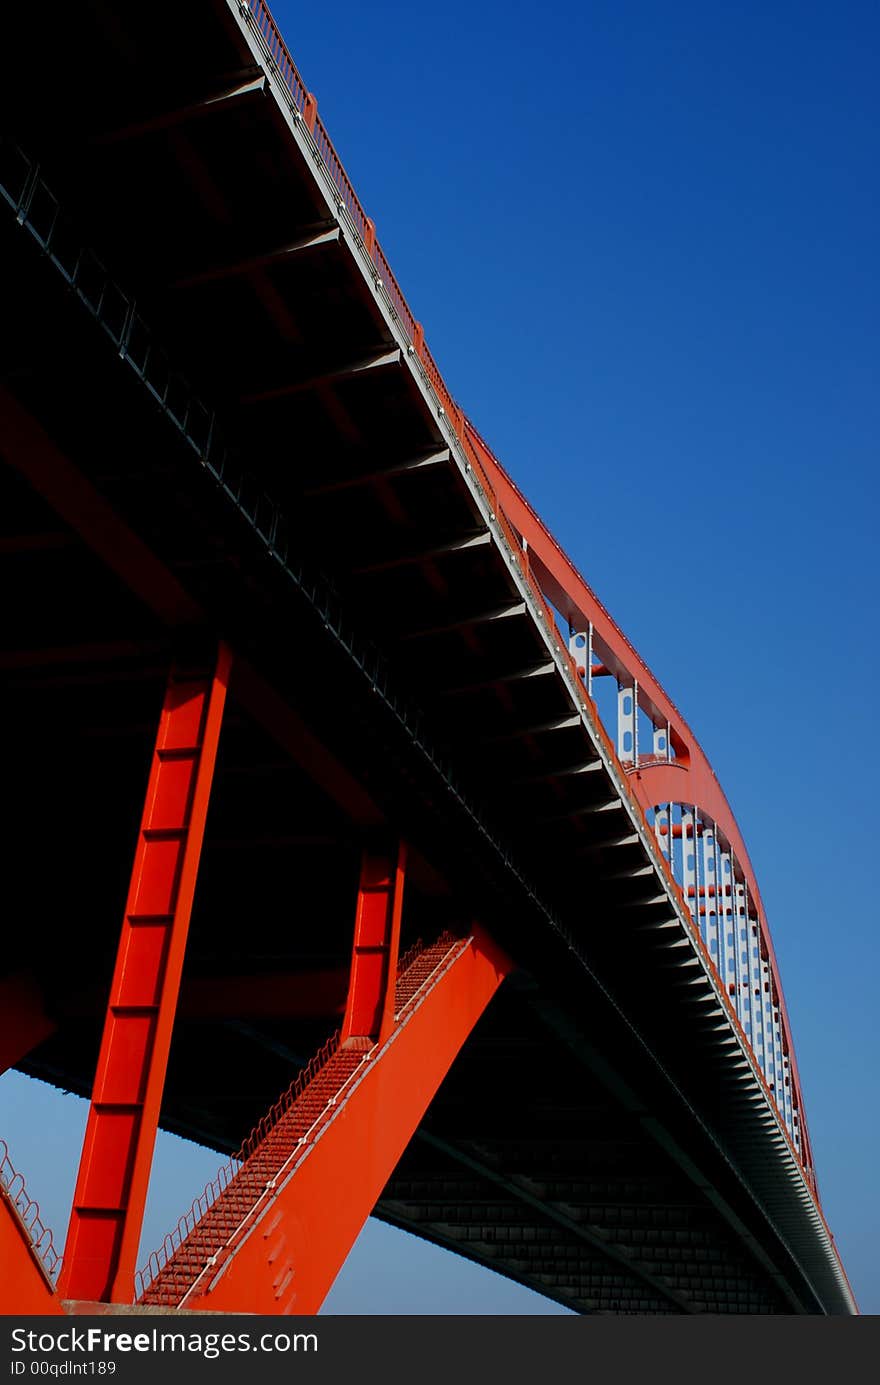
643,240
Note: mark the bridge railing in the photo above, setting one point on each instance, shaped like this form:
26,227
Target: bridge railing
158,1259
28,1212
680,798
227,1173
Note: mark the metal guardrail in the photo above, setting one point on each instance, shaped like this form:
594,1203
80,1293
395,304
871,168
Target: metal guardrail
158,1259
206,1199
28,1212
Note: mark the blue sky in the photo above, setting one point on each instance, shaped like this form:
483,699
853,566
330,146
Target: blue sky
642,240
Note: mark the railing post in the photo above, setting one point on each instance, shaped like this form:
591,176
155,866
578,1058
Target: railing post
310,112
370,238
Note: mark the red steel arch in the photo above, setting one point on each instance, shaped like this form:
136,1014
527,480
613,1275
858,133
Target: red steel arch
689,777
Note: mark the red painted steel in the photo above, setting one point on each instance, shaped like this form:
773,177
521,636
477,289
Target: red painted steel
24,1288
216,1189
275,1239
689,778
266,995
369,1010
28,448
25,1021
686,779
111,1189
28,1258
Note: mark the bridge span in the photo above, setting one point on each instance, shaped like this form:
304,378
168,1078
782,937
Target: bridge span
353,838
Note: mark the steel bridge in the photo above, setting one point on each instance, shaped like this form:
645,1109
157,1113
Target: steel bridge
328,773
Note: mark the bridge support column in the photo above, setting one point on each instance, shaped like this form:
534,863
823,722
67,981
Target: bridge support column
285,1256
369,1010
111,1189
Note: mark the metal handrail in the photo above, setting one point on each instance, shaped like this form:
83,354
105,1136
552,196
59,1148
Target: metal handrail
206,1199
227,1173
28,1211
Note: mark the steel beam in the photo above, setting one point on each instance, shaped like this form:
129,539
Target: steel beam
244,86
88,652
379,360
511,610
374,475
313,239
369,1009
270,995
294,1250
421,555
25,1021
111,1189
29,450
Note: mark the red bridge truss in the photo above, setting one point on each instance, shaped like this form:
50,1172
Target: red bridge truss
229,449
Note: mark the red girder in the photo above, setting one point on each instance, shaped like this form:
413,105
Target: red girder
264,995
369,1011
272,1231
277,1235
111,1189
25,1021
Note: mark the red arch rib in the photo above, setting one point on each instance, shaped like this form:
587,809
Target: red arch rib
689,778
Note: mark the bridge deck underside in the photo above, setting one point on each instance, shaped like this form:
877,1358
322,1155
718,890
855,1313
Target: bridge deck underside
526,1164
545,1147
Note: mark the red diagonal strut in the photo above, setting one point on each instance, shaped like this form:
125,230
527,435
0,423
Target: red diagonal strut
306,1203
111,1189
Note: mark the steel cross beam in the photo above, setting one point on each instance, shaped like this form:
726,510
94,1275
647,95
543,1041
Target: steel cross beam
26,446
239,87
111,1188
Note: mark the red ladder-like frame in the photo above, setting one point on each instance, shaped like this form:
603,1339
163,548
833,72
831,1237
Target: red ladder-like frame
111,1189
